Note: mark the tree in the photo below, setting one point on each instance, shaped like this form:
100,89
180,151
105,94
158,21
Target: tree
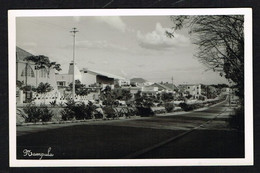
167,97
142,100
44,88
122,94
220,41
80,89
107,96
43,62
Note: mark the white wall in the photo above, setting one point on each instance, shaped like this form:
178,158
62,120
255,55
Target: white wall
88,79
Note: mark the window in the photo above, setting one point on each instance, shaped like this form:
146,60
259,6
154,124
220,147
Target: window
43,73
28,71
61,83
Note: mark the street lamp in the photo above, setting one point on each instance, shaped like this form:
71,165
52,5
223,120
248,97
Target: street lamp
74,31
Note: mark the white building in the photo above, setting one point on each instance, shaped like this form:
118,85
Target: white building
27,73
63,80
102,78
192,89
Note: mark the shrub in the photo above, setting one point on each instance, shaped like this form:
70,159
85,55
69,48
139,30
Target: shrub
61,104
109,112
98,113
201,98
169,107
131,111
46,114
53,103
144,111
33,113
68,113
187,107
36,114
78,111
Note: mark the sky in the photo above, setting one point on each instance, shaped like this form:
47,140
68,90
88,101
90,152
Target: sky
127,46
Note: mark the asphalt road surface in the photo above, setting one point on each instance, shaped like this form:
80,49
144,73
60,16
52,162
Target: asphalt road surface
203,133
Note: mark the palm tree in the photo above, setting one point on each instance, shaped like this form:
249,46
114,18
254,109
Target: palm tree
44,88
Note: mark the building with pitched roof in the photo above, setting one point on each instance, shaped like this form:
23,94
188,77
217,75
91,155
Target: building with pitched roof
27,73
140,82
102,78
63,80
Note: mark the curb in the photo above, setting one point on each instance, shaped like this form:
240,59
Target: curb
75,121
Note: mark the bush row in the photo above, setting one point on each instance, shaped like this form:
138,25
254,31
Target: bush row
190,107
169,107
81,111
111,112
37,113
74,111
144,111
78,111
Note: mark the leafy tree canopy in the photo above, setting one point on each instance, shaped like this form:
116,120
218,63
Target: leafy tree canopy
220,41
42,61
80,88
44,88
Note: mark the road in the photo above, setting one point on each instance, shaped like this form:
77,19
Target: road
201,133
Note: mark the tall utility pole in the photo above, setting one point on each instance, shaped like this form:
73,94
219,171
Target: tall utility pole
74,31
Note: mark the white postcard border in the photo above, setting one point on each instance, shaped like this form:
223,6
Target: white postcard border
248,160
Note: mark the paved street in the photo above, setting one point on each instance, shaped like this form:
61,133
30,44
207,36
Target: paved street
115,139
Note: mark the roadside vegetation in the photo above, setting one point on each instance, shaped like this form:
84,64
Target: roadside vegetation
220,47
35,114
114,104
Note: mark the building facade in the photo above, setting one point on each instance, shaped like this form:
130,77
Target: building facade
27,73
64,80
91,77
192,89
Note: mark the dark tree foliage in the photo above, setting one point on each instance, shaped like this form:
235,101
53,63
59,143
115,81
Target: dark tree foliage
142,100
78,111
122,94
220,42
107,96
219,86
26,88
42,61
36,113
80,88
44,88
167,97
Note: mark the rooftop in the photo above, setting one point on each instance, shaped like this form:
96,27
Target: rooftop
85,70
21,54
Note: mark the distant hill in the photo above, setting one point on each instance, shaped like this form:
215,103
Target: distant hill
138,80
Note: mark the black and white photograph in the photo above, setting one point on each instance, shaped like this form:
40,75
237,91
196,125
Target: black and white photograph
132,87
